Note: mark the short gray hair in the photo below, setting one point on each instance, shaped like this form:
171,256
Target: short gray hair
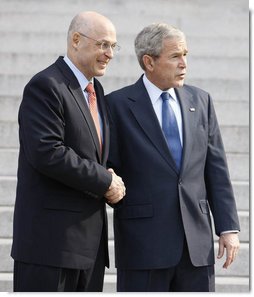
149,40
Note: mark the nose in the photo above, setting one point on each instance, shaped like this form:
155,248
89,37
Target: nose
183,62
109,52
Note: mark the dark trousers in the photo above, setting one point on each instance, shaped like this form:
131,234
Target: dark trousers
181,278
39,278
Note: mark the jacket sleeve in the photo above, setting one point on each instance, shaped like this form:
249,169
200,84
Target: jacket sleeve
218,184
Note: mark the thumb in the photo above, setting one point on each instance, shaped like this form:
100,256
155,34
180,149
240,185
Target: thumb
221,250
111,170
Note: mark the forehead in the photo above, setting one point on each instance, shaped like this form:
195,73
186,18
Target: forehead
106,32
174,44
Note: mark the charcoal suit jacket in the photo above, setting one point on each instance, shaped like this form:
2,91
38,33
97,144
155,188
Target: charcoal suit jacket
163,206
59,213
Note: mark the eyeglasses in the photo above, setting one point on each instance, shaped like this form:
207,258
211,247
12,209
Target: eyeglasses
104,45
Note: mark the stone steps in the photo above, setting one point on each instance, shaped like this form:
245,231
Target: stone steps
53,43
221,90
178,14
18,64
33,35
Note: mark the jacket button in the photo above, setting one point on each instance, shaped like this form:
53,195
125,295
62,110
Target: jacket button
180,182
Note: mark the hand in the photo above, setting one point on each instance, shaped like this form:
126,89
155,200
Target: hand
230,241
116,191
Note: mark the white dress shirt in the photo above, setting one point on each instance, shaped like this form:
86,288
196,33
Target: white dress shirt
83,81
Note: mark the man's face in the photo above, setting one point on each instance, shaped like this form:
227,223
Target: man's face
169,68
92,60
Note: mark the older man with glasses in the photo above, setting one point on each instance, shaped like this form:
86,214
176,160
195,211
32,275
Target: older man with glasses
60,237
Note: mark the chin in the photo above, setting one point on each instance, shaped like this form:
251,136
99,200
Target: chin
180,83
100,72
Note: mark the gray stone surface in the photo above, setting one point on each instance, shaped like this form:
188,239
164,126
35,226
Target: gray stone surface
33,35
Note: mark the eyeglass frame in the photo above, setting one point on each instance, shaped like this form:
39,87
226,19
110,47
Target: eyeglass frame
114,47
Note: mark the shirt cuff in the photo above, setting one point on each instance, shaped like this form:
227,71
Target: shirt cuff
230,231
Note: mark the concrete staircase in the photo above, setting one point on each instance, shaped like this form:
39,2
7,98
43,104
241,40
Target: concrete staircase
33,35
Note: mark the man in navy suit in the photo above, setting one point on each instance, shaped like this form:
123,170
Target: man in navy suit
60,223
173,178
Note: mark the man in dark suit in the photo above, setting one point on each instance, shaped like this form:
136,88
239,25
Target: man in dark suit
60,224
166,146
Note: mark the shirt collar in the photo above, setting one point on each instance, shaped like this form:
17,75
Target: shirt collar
83,81
154,92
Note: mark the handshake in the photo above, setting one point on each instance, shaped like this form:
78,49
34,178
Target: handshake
116,191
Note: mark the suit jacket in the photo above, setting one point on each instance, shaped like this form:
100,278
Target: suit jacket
60,210
162,206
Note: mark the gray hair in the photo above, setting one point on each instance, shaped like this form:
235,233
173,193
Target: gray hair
150,40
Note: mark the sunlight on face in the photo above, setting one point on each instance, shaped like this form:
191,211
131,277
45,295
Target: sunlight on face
169,68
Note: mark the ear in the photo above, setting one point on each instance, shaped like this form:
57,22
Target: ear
75,39
148,62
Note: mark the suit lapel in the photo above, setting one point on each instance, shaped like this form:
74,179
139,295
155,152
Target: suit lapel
188,109
144,113
78,96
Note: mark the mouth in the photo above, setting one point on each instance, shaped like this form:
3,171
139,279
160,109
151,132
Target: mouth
103,64
182,76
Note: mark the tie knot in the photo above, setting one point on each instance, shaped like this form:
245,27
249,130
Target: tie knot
90,88
165,96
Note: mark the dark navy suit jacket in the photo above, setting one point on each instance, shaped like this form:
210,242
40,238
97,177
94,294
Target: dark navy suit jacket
60,210
162,206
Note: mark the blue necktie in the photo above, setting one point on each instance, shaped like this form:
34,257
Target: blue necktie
170,129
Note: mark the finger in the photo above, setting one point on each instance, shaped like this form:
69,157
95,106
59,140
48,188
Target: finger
111,170
227,262
116,200
230,257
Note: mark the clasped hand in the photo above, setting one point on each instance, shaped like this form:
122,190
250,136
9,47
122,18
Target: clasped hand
116,191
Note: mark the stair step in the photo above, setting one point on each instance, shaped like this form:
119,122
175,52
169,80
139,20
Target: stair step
7,190
232,113
220,90
196,25
9,135
13,63
242,194
53,43
218,62
235,138
238,166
